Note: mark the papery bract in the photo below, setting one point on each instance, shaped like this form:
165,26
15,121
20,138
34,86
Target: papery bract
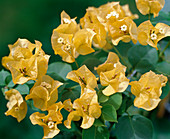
84,77
49,122
44,92
17,107
148,90
150,6
86,107
148,34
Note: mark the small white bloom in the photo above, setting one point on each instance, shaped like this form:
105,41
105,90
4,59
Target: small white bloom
123,28
60,40
67,21
162,31
115,65
153,36
67,47
50,124
108,16
112,14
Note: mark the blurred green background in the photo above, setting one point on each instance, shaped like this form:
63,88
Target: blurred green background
35,20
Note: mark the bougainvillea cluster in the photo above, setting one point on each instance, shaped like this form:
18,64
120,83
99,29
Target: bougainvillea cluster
103,27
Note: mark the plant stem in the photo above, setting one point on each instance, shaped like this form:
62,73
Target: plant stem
111,125
161,53
121,57
76,64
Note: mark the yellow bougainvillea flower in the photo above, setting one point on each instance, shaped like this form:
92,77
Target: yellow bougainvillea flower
150,6
112,9
73,27
21,49
42,60
124,30
86,107
115,80
148,90
69,41
91,21
44,92
109,64
128,13
49,122
23,63
62,45
84,77
17,107
148,34
23,70
82,41
96,19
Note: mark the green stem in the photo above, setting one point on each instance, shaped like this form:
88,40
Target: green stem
149,16
111,125
161,53
76,64
121,57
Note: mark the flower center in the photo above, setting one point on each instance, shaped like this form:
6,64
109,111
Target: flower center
16,109
123,28
112,14
60,40
50,124
66,21
67,47
23,71
46,85
153,36
162,31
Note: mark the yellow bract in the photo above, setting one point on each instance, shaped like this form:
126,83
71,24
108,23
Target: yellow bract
86,107
84,77
21,49
44,92
115,80
23,64
148,90
150,6
17,107
103,19
49,122
68,40
112,75
109,64
148,34
124,30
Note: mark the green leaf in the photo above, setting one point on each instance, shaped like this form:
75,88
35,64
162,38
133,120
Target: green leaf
134,127
99,122
143,58
102,98
9,81
3,75
72,93
165,91
126,103
55,76
59,68
4,90
31,105
115,100
23,89
109,113
95,133
91,63
163,67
